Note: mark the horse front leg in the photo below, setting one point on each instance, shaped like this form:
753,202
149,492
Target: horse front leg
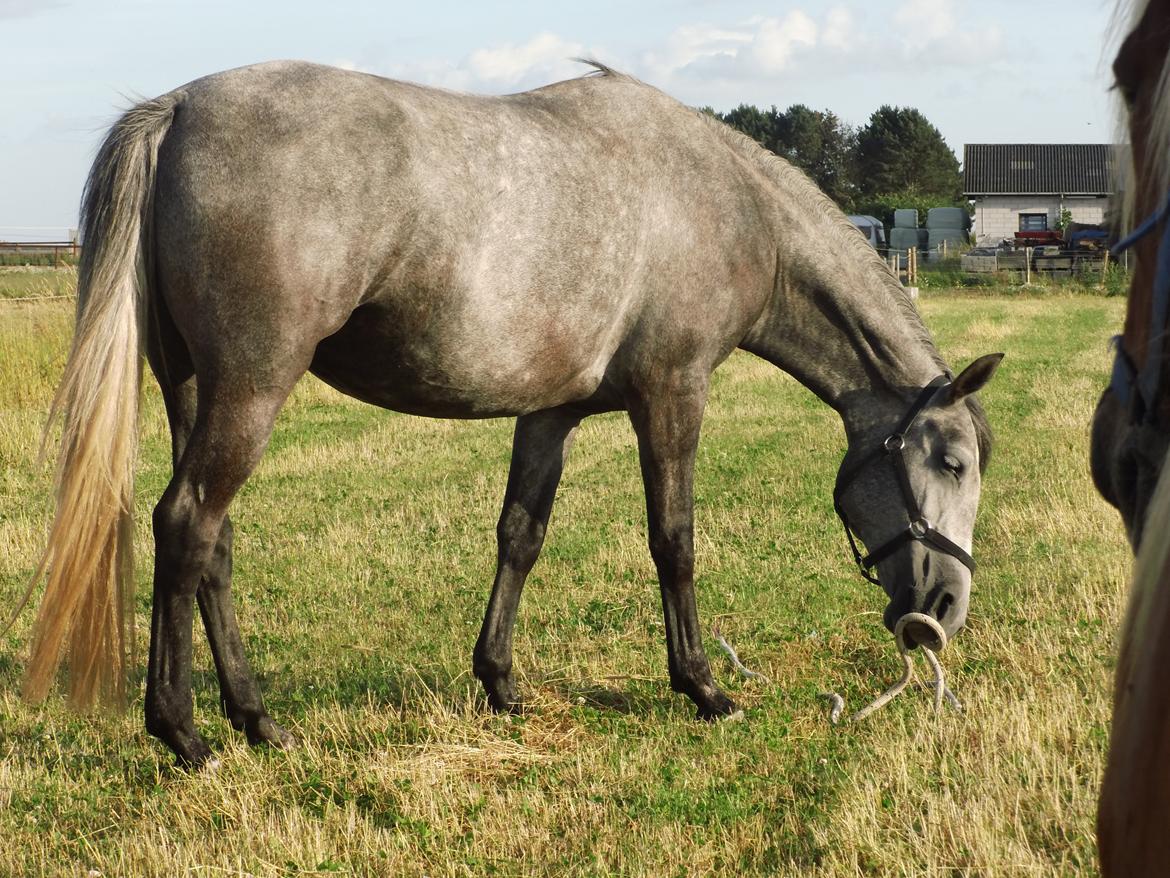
667,420
540,447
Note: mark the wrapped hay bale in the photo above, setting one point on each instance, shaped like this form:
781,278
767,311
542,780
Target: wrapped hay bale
954,238
906,218
948,218
902,239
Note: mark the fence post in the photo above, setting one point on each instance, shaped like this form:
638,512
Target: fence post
1027,265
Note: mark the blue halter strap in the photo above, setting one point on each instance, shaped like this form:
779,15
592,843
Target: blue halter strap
1127,381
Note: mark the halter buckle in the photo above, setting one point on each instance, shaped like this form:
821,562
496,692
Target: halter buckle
920,527
894,442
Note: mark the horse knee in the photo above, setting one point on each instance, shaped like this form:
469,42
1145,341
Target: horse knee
673,551
519,537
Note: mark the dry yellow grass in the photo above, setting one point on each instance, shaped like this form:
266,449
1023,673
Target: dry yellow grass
365,545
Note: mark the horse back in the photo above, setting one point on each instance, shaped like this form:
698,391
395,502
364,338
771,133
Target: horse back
510,247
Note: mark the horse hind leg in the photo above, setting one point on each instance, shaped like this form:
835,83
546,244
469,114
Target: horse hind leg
239,692
240,696
214,452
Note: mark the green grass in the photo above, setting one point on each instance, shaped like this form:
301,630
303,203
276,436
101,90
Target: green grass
364,553
25,282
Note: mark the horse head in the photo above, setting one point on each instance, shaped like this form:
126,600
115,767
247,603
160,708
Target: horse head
911,496
1132,423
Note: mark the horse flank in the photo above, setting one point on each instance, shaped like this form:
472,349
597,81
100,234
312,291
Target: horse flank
87,564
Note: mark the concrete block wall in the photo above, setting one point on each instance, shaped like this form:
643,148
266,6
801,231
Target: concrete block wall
998,216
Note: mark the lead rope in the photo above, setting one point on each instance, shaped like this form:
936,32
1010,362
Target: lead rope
941,692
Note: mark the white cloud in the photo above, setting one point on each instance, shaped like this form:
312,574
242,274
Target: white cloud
761,47
776,40
838,31
545,55
922,22
716,58
932,33
544,58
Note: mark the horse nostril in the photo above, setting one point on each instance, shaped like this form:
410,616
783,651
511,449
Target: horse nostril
944,606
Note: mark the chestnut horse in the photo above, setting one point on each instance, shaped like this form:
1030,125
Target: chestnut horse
1131,430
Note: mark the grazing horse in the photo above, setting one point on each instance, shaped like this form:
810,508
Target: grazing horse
1131,431
586,247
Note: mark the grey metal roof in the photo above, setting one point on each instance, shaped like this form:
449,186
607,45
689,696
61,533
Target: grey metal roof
1038,169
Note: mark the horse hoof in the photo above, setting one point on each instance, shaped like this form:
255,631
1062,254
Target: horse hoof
510,708
718,707
268,732
501,697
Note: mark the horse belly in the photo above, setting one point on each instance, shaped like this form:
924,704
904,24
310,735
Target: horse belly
389,360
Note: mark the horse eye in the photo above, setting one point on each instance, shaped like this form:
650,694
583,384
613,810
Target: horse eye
952,465
1127,91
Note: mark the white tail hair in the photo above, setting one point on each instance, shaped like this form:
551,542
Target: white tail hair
87,565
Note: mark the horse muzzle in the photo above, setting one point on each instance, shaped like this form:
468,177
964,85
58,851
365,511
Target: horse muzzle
933,586
1125,460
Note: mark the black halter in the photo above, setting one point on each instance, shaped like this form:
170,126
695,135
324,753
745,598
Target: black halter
919,528
1139,390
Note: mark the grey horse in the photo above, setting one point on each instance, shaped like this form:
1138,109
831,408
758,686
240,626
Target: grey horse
585,247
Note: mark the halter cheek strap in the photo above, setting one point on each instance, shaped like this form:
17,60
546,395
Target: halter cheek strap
1137,389
919,529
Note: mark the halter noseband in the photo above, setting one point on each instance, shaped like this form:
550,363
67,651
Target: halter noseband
919,529
1139,390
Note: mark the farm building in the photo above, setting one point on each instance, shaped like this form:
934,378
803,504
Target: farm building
1018,187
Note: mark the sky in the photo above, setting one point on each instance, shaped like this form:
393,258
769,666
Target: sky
996,71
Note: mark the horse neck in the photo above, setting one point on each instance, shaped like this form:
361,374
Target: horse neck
841,324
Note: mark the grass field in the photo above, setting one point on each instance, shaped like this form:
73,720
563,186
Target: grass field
36,282
364,553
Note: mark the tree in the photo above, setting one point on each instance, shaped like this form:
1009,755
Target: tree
816,142
898,150
820,145
761,126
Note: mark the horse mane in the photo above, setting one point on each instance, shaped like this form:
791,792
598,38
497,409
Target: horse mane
1127,16
845,238
600,69
790,178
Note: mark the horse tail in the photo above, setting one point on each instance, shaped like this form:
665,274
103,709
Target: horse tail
87,566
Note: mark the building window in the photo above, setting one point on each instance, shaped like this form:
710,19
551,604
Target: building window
1033,222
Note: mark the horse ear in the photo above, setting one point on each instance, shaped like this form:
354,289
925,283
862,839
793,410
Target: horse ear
973,377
